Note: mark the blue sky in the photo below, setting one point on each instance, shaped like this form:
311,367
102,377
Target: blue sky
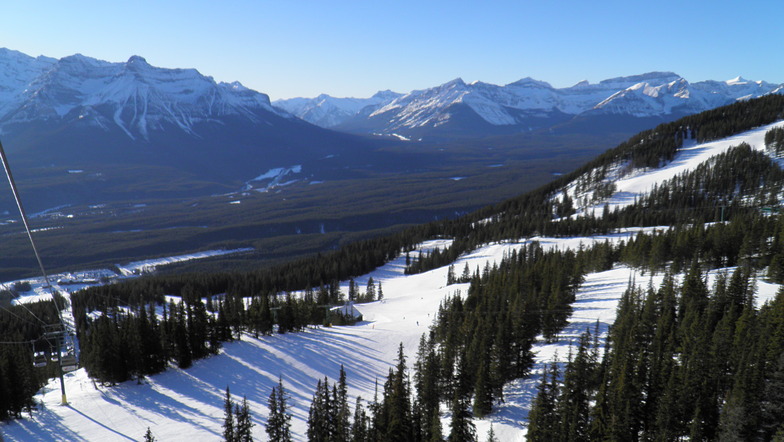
291,48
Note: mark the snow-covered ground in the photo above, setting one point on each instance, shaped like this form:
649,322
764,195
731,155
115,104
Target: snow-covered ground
631,187
70,282
180,405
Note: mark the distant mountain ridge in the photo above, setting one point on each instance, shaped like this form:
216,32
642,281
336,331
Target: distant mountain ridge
161,132
133,96
327,111
479,109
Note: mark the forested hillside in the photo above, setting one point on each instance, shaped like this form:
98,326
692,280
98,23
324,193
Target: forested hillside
685,359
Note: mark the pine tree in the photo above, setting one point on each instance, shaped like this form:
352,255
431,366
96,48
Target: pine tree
574,395
462,429
370,291
279,421
352,290
342,411
491,434
321,414
229,431
450,275
359,428
148,437
434,430
398,402
543,417
244,423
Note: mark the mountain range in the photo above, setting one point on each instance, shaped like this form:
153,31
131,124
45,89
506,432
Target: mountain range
481,109
145,104
133,130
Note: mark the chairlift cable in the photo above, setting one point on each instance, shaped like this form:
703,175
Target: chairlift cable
22,304
64,332
18,199
17,342
22,318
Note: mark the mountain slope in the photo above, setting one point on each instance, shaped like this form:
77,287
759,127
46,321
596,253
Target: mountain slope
481,109
161,132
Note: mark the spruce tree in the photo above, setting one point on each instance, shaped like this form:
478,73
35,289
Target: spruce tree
229,431
434,431
278,426
359,428
321,415
398,402
491,437
543,421
244,423
461,428
341,407
370,290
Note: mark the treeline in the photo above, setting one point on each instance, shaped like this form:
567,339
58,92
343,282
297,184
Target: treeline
121,342
681,362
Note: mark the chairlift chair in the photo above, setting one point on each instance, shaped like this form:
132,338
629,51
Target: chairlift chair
39,359
68,360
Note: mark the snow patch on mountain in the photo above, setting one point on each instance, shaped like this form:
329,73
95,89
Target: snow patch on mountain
273,178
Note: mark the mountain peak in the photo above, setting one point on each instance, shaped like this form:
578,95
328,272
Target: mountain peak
386,94
531,83
649,77
137,60
737,80
456,82
235,86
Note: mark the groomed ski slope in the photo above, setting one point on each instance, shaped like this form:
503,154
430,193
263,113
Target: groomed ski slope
639,183
188,404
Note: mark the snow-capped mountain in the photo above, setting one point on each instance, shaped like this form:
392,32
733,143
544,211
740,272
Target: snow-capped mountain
327,111
132,96
478,108
147,124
